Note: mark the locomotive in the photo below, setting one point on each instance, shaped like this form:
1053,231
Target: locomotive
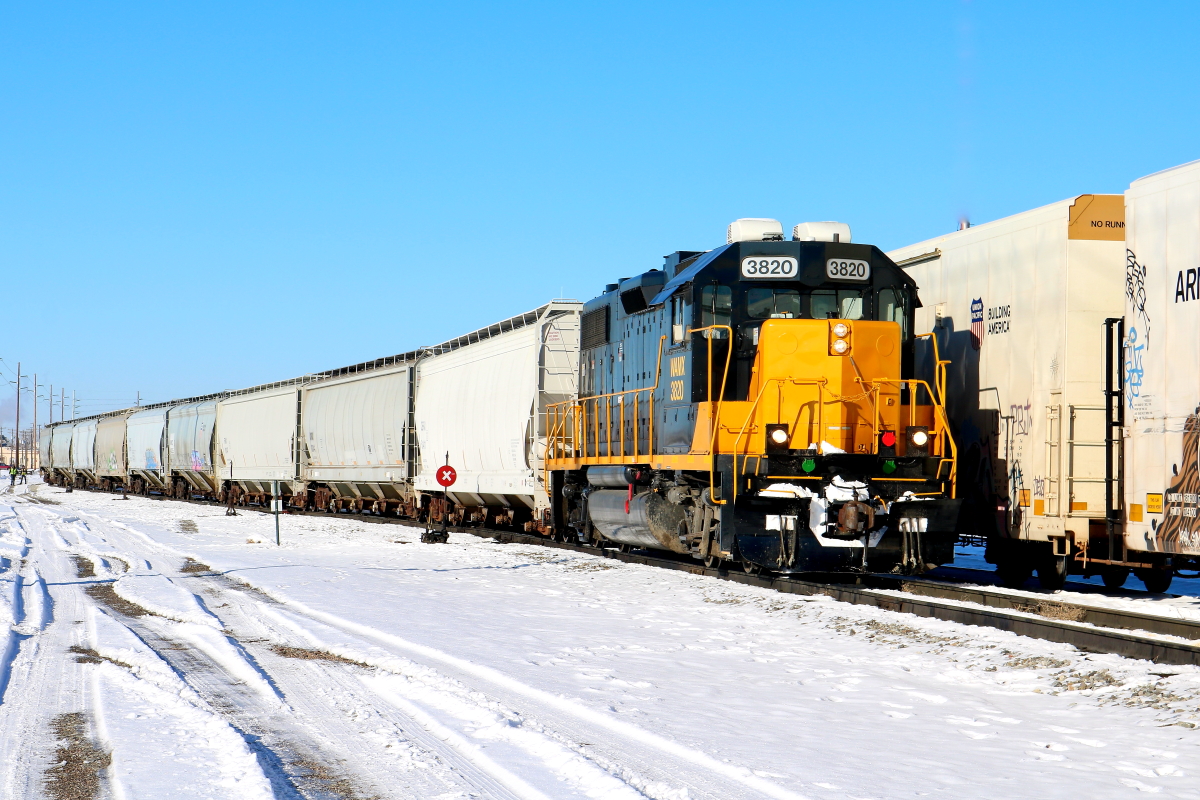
757,404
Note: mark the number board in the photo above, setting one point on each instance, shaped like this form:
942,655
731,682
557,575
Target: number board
847,269
770,267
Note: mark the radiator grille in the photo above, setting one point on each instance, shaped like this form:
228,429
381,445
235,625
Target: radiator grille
593,328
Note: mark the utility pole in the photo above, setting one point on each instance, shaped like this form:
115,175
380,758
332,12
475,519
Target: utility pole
17,429
72,405
62,406
33,437
52,404
139,399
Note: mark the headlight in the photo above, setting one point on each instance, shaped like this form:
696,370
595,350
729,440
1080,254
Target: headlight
920,438
840,346
779,436
840,330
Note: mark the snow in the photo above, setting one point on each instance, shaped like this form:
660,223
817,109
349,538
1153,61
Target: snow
161,735
490,670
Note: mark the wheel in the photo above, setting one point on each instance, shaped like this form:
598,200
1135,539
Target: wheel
1052,572
1114,577
1156,580
1013,572
750,568
712,562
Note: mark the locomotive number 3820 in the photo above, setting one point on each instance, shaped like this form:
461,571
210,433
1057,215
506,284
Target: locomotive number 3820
769,267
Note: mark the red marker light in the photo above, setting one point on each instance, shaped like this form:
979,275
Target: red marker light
888,439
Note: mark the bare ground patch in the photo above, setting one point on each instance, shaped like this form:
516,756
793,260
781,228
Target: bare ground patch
313,772
191,567
188,526
1037,662
1052,610
84,568
78,760
308,654
105,593
591,566
86,655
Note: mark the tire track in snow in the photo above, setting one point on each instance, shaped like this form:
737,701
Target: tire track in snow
40,678
624,730
626,743
560,756
307,731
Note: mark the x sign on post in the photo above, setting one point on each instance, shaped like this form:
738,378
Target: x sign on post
446,476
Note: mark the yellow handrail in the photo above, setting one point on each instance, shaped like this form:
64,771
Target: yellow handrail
578,410
939,370
576,413
819,383
714,415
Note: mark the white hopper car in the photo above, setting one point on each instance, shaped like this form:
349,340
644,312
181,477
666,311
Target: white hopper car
365,438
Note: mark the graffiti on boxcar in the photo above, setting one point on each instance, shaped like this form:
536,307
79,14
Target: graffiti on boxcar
1039,486
1179,529
1022,419
1135,373
1135,291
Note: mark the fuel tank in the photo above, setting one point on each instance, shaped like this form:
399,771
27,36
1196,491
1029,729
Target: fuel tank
652,521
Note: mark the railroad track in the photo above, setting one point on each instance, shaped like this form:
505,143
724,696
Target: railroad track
1103,630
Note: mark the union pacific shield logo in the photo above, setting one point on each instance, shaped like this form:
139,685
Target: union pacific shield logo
977,322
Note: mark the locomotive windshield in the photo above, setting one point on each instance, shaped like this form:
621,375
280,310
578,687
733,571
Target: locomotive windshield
763,302
718,303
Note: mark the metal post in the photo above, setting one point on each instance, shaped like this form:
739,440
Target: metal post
275,504
1113,391
33,435
17,428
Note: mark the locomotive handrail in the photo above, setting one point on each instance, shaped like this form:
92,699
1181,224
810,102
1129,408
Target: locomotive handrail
577,411
714,415
819,383
943,428
873,393
939,370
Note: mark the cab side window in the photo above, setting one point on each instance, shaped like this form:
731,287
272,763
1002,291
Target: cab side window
680,313
716,308
892,308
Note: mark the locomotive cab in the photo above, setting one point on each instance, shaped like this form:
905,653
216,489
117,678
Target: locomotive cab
757,403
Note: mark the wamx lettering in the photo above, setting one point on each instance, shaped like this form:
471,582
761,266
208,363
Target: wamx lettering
998,319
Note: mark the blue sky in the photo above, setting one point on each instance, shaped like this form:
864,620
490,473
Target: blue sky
208,196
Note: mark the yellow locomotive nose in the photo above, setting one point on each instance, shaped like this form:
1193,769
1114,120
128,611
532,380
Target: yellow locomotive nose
831,382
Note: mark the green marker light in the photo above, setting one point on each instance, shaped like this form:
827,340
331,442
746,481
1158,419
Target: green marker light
889,467
809,465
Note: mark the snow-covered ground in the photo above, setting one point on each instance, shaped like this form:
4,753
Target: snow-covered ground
355,662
